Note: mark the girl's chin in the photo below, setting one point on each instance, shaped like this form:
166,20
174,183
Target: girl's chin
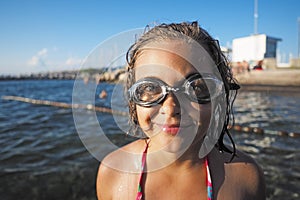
172,138
172,142
174,147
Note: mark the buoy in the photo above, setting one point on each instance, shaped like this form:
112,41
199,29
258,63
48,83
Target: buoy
258,130
282,133
237,128
247,129
294,135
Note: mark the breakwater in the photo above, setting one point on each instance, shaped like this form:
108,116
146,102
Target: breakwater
90,74
63,75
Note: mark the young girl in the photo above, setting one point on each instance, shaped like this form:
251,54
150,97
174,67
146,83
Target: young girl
180,91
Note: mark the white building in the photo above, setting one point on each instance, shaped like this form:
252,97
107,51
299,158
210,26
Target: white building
254,48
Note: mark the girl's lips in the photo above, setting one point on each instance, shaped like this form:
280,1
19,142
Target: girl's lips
172,130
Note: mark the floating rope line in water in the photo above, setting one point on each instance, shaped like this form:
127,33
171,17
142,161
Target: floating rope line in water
261,131
238,128
64,105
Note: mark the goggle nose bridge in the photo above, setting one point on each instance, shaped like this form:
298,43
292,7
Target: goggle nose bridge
171,89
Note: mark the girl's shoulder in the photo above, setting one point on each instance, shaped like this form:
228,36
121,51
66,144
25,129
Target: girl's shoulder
122,162
125,158
243,175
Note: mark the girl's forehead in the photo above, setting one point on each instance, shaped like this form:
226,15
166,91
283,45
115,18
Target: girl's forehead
172,59
191,51
169,74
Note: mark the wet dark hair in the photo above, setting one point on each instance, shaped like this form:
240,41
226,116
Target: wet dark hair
174,31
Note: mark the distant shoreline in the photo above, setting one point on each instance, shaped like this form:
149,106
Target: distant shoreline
285,80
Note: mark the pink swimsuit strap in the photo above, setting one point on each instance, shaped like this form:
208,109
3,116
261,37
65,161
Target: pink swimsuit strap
139,195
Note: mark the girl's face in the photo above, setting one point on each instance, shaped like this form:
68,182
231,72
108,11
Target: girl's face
176,123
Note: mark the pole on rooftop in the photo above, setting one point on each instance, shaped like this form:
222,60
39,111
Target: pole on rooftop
255,17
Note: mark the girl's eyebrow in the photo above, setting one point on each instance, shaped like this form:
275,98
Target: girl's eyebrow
192,74
151,77
189,75
181,82
177,84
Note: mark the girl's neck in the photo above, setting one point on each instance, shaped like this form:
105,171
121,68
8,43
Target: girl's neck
186,159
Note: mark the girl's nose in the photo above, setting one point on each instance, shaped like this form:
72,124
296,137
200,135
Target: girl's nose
170,105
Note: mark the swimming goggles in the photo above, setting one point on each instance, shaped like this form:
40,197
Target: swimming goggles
198,88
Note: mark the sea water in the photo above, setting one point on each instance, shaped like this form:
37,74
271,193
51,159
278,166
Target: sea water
42,156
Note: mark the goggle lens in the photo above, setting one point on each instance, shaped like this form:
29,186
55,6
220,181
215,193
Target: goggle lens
198,90
148,91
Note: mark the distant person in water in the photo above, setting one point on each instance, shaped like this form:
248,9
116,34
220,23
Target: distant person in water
180,94
103,94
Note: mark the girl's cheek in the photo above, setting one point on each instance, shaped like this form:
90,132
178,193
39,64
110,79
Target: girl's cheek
144,116
199,112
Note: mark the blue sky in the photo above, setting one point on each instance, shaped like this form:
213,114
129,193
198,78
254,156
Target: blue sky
51,35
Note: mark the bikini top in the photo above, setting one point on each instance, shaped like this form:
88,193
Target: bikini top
139,195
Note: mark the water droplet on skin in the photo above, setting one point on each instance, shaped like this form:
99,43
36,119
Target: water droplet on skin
120,188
